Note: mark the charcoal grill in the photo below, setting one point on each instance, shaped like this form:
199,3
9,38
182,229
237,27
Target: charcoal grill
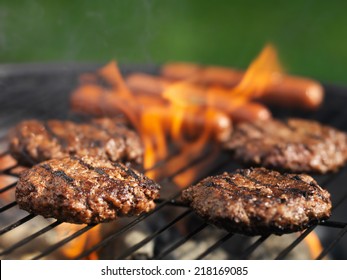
42,91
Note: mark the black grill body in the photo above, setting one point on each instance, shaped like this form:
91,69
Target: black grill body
42,91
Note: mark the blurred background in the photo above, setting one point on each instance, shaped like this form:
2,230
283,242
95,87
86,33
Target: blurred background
310,35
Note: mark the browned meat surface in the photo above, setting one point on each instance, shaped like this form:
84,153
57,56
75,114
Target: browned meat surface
259,201
85,190
295,145
133,150
34,141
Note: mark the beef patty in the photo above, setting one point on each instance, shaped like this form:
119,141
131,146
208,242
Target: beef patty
295,145
258,201
34,141
85,190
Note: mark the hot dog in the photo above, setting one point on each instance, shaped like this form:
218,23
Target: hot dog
92,99
294,92
249,112
289,91
140,82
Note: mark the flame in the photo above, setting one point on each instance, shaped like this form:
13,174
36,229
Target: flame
76,246
171,117
158,120
314,244
186,97
188,176
262,72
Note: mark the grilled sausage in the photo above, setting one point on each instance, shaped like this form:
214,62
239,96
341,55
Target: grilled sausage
96,101
249,112
289,91
140,82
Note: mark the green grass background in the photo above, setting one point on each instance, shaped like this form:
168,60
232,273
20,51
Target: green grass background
311,36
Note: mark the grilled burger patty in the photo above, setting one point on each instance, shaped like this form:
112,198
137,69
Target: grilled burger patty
34,141
85,190
295,145
258,201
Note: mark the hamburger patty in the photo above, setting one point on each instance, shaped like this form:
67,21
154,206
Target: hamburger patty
259,201
295,145
85,190
34,141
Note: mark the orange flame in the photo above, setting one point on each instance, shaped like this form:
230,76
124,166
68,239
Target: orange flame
76,246
314,244
164,120
185,97
262,72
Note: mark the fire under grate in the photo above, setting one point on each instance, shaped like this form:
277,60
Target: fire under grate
171,231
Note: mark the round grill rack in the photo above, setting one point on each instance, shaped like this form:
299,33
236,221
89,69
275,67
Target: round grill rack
42,91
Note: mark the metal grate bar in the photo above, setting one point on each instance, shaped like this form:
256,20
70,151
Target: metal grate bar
169,175
4,189
8,206
29,238
7,170
17,224
63,242
333,224
170,201
114,235
332,244
246,254
180,242
215,246
108,239
338,203
287,250
153,235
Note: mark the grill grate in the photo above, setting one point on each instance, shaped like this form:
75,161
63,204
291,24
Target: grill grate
42,91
